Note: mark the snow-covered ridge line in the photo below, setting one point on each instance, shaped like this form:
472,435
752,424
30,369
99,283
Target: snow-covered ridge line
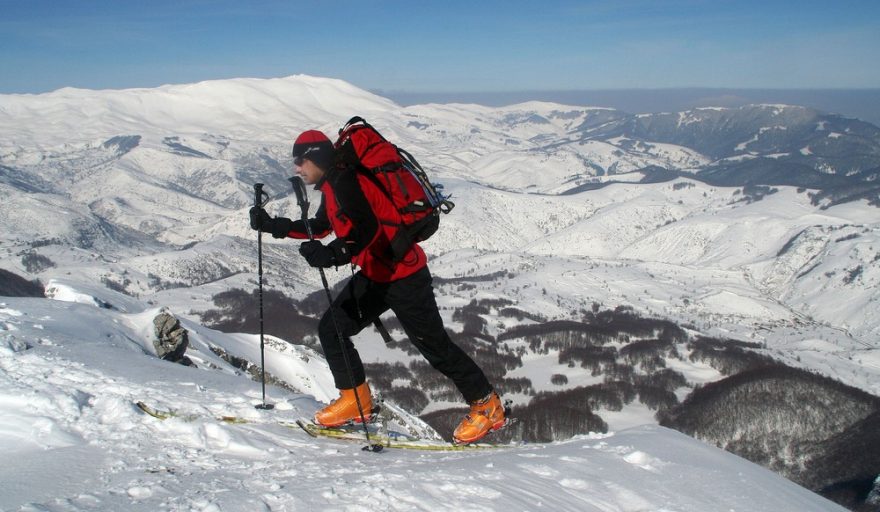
248,108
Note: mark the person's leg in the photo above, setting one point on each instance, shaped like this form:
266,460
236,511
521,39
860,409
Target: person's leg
355,308
412,300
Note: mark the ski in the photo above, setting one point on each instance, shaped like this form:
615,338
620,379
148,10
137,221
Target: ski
352,432
168,414
390,439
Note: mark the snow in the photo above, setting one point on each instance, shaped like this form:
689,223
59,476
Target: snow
196,109
70,371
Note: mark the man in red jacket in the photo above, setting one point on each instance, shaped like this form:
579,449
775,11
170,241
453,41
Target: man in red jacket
354,207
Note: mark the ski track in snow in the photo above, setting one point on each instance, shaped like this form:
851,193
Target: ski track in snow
74,441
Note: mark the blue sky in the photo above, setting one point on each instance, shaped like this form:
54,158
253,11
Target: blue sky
443,46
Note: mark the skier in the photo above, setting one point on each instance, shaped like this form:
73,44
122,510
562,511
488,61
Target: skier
354,208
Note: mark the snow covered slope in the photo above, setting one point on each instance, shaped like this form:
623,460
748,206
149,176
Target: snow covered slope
74,441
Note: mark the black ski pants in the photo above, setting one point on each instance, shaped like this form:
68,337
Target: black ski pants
412,301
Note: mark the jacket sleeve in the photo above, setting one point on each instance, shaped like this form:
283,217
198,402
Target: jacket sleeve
356,208
319,224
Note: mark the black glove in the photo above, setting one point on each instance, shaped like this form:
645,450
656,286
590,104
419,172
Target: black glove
258,218
323,256
279,227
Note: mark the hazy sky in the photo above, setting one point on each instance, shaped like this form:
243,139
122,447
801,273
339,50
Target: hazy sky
477,45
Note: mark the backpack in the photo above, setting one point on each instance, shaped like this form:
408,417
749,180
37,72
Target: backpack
400,177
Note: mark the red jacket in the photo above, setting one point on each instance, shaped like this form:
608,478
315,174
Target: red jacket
357,210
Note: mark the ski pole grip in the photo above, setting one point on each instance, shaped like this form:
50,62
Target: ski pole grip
299,188
260,197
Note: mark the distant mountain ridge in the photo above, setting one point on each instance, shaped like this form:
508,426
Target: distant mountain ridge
861,104
749,145
265,109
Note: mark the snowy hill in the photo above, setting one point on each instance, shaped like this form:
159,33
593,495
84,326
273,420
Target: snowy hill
239,108
71,372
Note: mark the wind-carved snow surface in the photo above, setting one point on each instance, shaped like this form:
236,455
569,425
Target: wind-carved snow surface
73,440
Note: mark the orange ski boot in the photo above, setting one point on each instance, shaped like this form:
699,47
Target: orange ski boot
486,415
344,409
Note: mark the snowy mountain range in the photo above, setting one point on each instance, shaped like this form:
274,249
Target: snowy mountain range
753,224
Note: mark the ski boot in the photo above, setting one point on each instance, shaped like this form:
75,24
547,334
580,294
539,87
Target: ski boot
344,410
486,415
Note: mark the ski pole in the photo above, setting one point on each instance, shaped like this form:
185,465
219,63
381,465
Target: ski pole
260,200
299,188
